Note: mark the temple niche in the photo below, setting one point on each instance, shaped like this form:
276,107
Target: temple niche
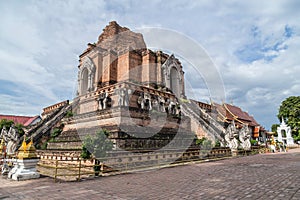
173,76
86,77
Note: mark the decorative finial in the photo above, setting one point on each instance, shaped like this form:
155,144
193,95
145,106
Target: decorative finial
31,141
24,145
27,151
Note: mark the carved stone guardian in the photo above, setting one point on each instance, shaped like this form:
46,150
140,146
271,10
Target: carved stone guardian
231,134
140,101
172,108
161,104
155,105
244,137
12,141
147,101
102,101
108,101
123,94
167,104
178,109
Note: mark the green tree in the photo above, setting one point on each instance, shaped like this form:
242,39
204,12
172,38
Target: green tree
99,144
69,114
96,146
55,132
204,143
6,123
217,143
205,147
274,128
289,111
20,129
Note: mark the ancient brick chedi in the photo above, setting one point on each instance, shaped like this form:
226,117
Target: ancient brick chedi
138,95
121,55
129,90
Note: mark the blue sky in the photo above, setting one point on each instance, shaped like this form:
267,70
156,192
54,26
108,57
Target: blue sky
254,45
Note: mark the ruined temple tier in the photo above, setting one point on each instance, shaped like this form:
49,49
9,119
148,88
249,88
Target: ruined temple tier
121,55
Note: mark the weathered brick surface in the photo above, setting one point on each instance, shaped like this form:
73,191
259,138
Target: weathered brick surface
265,176
119,38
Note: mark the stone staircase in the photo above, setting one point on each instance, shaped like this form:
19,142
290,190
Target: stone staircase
205,120
43,127
67,140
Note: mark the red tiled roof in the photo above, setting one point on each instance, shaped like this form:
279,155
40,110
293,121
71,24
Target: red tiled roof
24,120
32,119
229,112
237,112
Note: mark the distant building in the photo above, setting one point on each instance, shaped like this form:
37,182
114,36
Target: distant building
228,113
24,120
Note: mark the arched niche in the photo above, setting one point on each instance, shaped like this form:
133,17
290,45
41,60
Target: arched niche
84,82
174,81
173,77
283,133
86,76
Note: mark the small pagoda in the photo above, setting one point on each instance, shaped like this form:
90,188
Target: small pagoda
25,168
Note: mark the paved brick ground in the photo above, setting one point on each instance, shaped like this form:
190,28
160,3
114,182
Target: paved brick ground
265,176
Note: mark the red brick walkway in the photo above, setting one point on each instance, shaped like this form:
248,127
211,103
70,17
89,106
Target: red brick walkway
265,176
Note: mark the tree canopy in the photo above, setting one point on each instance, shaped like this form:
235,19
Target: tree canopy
5,123
97,145
8,123
289,111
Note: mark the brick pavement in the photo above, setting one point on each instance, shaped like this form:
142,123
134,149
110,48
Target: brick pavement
264,176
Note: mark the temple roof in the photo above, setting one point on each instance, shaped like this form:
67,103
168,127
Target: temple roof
228,112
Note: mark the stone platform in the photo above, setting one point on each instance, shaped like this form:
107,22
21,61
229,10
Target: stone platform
24,170
129,129
263,176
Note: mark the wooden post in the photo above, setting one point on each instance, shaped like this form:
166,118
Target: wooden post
102,168
79,170
55,175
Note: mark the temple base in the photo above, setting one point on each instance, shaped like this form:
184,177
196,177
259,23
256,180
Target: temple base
24,170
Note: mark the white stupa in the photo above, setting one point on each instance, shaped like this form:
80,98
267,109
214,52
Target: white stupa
285,133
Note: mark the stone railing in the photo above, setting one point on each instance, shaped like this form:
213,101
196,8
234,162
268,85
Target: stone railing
204,106
205,120
66,164
58,155
135,87
119,158
54,107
